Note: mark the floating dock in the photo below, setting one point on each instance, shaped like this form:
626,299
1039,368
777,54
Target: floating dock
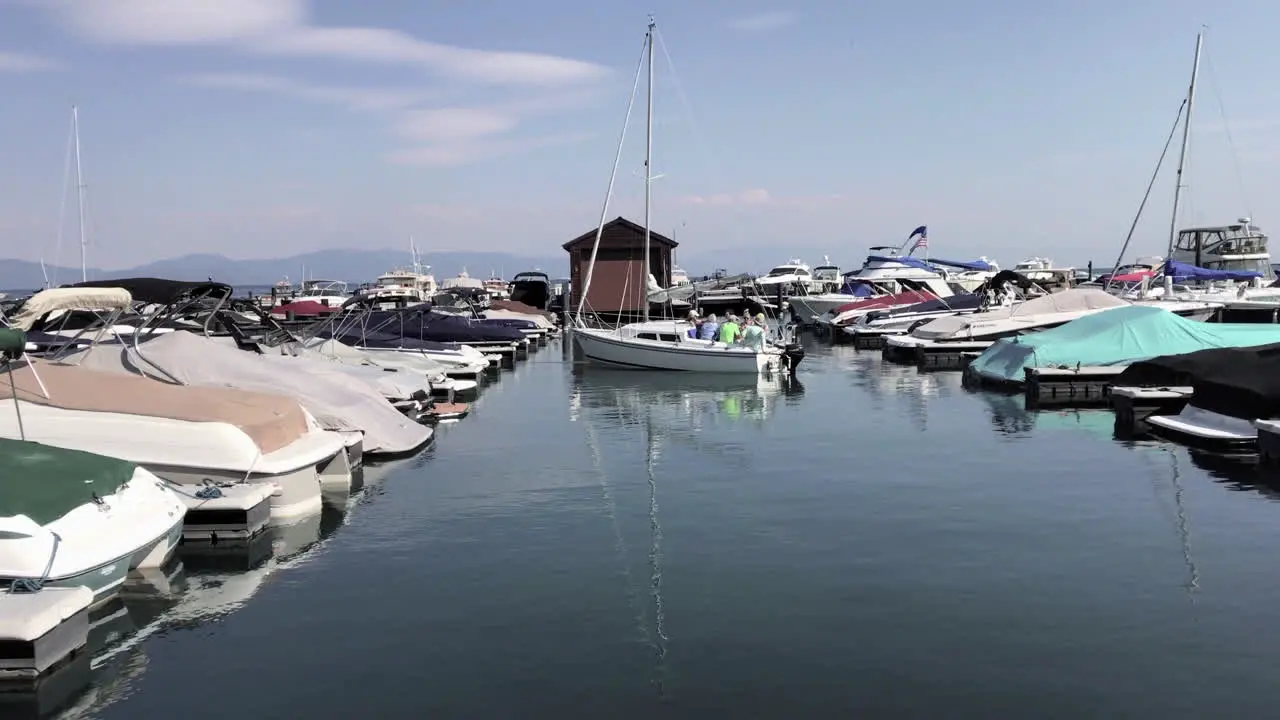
948,355
1133,405
40,631
871,339
1085,385
1268,442
234,513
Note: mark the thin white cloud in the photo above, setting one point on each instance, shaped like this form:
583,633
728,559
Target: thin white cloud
354,98
763,22
283,27
11,62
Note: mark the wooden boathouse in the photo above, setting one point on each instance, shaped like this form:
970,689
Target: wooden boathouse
618,286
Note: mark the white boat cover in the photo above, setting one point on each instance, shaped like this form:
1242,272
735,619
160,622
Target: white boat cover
541,321
393,384
1076,300
337,403
329,349
72,298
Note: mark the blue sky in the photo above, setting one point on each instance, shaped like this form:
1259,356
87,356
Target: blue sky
263,128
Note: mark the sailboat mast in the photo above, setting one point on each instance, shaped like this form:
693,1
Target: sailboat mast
648,175
84,243
1182,155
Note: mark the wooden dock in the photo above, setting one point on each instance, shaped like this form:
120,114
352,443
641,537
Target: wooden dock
1133,405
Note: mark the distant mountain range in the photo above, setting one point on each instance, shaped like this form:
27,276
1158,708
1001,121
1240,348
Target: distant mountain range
353,266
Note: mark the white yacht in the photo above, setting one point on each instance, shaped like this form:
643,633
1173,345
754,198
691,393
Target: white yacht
880,275
414,284
795,275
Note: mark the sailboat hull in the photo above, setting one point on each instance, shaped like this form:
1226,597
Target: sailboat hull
606,347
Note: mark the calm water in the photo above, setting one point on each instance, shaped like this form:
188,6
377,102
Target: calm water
881,543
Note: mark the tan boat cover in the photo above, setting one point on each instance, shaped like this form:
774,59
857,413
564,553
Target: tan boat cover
517,306
71,298
1067,301
271,421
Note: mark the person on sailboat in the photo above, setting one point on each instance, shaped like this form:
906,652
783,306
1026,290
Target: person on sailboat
730,330
695,323
708,329
753,333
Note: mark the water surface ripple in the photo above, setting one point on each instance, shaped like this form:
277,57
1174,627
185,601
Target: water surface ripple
877,542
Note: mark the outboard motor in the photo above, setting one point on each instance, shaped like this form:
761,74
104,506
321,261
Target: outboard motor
793,353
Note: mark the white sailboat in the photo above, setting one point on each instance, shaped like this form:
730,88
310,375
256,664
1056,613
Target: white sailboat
664,344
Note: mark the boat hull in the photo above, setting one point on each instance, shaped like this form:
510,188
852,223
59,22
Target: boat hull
606,348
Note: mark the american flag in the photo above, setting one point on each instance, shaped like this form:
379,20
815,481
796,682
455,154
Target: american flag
922,241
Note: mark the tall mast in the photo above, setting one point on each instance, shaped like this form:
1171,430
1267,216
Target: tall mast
648,173
1182,156
75,129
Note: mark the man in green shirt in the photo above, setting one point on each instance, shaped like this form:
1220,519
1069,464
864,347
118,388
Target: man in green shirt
730,330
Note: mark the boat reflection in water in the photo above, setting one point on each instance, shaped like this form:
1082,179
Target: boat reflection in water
627,415
201,584
693,399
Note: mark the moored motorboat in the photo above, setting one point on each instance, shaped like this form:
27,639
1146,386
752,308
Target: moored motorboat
70,518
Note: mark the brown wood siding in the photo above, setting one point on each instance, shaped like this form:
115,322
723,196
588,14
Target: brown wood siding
618,283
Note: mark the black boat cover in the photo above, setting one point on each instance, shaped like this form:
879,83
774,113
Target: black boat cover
159,291
1237,382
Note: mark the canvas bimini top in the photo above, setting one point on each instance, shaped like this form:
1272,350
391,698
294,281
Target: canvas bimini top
1121,336
45,482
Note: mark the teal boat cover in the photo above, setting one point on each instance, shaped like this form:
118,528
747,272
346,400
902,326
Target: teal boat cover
45,482
1114,337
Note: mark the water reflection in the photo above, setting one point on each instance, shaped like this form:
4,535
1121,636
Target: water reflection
201,584
628,396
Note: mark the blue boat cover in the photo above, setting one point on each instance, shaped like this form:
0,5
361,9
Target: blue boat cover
904,260
1186,271
980,265
1114,337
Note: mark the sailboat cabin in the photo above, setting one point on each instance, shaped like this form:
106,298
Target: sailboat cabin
618,283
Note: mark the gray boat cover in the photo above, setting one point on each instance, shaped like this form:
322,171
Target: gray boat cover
338,402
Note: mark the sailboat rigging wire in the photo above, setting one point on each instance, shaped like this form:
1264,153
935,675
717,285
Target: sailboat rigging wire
1226,130
696,128
1147,195
613,177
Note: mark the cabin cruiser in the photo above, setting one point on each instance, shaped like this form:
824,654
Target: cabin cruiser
462,280
532,288
78,519
794,277
330,293
410,286
826,277
879,275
